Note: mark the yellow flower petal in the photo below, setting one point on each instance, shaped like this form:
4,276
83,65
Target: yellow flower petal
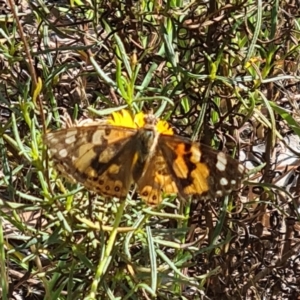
124,118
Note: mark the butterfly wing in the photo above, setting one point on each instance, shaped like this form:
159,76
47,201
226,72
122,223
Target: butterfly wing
98,156
199,170
155,180
105,158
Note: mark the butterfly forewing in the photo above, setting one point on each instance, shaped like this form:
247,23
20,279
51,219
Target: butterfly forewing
198,169
99,157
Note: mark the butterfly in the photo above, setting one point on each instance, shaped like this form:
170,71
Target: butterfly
107,157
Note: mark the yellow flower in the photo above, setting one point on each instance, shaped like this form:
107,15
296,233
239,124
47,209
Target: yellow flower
124,118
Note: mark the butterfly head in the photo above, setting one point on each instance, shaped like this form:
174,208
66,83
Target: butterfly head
150,120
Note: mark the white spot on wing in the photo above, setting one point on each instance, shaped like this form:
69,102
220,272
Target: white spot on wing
222,161
70,137
97,137
223,181
53,151
219,193
51,139
241,168
63,153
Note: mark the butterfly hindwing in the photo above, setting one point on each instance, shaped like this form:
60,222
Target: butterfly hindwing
156,180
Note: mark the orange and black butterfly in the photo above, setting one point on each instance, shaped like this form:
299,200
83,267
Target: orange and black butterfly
108,157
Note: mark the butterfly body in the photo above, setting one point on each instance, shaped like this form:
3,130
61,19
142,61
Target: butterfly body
108,158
